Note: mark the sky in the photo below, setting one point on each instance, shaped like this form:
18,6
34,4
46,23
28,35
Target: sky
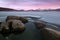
30,4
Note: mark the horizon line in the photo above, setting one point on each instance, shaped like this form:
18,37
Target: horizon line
32,9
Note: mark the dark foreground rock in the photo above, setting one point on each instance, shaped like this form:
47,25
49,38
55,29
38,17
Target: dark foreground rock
24,20
50,34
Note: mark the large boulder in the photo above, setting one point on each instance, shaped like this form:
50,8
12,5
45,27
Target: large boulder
50,34
24,20
11,26
39,25
16,26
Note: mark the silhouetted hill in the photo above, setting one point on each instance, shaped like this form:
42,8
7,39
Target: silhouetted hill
9,9
45,10
6,9
58,9
52,9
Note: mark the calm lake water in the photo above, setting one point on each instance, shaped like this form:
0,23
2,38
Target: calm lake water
31,33
52,16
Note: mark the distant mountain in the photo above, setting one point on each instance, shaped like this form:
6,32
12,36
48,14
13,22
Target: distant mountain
58,9
6,9
52,10
37,10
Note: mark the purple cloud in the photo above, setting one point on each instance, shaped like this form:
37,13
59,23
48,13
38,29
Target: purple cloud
28,3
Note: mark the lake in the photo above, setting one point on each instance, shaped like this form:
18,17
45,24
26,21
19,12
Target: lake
49,16
31,33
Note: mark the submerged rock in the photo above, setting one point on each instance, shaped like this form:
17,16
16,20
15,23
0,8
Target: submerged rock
39,25
24,20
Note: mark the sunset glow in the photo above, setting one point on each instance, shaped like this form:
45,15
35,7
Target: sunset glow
30,4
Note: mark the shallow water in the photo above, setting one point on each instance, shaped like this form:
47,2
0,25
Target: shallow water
52,16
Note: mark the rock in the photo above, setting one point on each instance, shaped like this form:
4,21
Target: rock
4,29
11,26
24,20
50,34
39,25
16,26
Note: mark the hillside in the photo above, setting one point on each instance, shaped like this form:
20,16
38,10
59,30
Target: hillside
6,9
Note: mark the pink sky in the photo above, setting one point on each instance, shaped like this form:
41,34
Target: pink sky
30,4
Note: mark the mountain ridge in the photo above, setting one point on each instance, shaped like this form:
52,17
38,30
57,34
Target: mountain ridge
6,9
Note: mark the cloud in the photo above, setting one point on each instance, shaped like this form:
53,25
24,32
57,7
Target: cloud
29,3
